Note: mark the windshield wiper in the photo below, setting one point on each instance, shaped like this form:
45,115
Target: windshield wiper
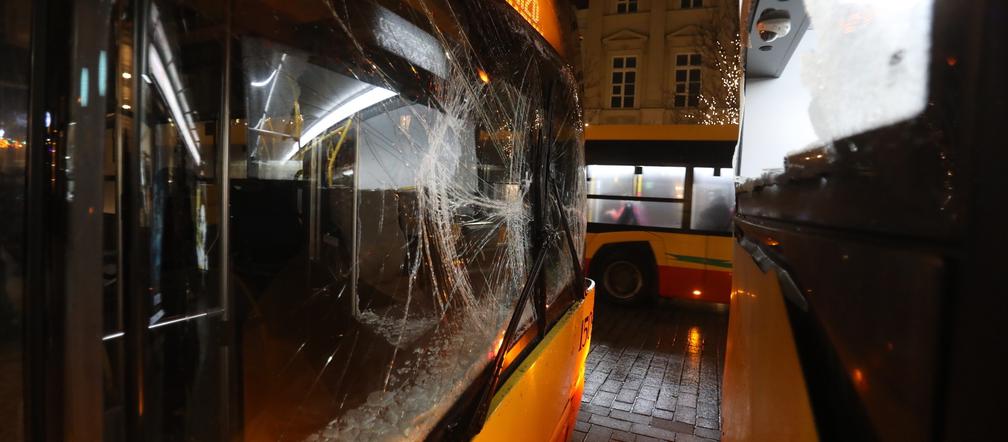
483,405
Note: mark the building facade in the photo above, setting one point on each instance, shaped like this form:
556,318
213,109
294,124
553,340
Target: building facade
660,62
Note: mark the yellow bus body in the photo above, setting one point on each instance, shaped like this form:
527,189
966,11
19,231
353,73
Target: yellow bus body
541,398
762,401
689,265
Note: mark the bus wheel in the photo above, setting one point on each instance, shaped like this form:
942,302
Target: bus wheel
624,280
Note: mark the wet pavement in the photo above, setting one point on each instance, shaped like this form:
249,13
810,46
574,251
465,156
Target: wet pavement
654,373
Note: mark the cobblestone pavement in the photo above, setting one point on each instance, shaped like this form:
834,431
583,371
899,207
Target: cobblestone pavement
653,373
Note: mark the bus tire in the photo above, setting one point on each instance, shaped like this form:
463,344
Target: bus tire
624,278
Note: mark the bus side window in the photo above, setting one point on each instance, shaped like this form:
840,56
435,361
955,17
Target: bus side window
712,200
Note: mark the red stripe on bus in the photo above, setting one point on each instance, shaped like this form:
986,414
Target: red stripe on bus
681,282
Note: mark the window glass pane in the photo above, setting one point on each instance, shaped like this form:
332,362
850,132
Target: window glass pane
383,258
680,88
680,75
635,213
617,77
615,102
680,100
567,174
629,89
663,182
611,180
684,4
695,59
694,75
180,223
617,62
713,198
631,77
617,90
631,62
392,158
182,163
681,59
379,213
694,100
628,101
621,8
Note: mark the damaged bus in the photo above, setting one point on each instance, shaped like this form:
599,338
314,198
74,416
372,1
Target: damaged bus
308,220
867,294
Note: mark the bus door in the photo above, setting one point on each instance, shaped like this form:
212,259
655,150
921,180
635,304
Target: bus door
711,205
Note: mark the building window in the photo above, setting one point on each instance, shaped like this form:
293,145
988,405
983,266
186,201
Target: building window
626,6
624,81
689,4
687,80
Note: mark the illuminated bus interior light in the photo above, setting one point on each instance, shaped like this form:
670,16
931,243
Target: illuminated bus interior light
164,323
102,72
359,102
268,79
84,82
187,129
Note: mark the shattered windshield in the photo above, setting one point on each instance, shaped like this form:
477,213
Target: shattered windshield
395,180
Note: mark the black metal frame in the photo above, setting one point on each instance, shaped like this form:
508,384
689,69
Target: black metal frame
135,304
604,228
43,417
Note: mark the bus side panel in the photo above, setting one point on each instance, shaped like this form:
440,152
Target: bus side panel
762,401
685,283
718,277
687,263
869,336
682,265
695,264
540,400
595,241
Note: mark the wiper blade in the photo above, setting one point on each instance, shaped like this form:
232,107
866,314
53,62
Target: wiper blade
483,405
